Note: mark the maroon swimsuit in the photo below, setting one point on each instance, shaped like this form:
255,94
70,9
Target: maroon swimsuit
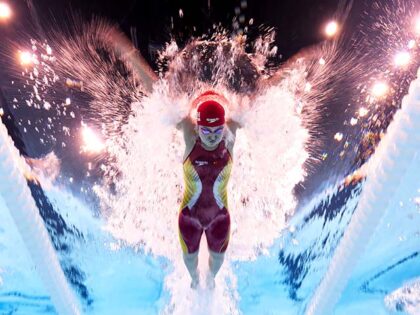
204,206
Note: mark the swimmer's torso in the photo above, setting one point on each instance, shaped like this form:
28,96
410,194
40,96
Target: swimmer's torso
206,174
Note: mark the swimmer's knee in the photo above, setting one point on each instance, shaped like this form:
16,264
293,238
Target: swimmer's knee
217,255
190,256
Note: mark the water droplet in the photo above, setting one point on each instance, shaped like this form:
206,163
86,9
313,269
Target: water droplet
353,121
338,136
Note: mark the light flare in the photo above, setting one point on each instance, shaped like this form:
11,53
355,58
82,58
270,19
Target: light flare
92,143
363,112
380,89
402,59
331,28
26,58
5,11
417,25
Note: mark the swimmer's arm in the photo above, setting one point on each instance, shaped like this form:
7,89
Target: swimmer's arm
187,127
233,126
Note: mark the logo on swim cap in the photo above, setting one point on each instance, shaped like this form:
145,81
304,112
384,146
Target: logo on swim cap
210,112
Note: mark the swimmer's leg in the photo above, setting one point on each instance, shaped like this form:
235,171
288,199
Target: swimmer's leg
190,232
191,262
215,262
217,235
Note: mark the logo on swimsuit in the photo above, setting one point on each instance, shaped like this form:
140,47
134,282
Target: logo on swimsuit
212,120
201,163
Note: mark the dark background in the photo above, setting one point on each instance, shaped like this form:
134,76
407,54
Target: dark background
298,23
153,23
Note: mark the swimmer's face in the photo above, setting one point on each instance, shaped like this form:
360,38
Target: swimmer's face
211,136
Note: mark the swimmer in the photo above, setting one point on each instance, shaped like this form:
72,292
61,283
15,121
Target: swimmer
207,167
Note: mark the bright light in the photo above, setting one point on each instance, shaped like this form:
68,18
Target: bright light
411,44
379,89
338,136
363,112
5,11
331,29
417,27
353,121
322,61
402,59
308,87
26,58
92,143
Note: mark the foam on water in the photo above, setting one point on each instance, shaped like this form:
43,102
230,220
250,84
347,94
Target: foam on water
406,298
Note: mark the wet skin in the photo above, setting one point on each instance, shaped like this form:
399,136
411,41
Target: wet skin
210,136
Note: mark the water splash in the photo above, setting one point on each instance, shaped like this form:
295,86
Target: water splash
142,207
141,191
405,299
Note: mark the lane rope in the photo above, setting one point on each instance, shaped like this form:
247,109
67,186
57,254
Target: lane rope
18,198
384,172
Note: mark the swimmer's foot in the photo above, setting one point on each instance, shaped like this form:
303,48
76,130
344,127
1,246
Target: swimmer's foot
195,281
210,283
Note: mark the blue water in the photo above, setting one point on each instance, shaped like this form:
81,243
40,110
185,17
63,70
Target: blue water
112,279
110,276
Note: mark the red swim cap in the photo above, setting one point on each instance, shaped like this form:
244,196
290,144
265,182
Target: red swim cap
210,112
